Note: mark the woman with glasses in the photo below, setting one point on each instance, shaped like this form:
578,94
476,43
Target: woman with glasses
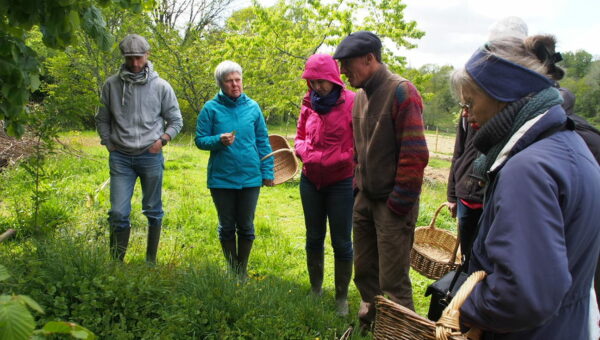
538,238
465,189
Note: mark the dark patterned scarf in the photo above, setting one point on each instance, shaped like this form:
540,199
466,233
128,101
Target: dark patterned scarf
324,104
493,135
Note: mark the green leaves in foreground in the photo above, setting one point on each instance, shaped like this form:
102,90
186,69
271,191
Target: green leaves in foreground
59,22
16,321
69,328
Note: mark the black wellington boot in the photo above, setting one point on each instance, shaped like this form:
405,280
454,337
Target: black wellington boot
343,274
314,264
152,245
229,250
118,243
244,248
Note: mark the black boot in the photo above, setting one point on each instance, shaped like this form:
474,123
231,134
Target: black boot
343,274
244,248
314,263
118,243
152,245
230,253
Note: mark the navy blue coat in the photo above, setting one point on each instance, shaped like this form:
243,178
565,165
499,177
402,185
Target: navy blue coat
539,239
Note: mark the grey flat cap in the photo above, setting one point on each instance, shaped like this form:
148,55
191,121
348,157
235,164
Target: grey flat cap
134,45
357,44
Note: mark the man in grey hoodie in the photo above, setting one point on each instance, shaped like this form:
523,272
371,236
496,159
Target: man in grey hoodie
135,105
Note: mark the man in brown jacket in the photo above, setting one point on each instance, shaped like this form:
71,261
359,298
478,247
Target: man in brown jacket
391,155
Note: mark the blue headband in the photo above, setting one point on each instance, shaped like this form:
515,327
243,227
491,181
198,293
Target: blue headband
504,80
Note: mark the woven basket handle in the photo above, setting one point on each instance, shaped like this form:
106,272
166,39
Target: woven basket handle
449,323
276,152
432,226
437,212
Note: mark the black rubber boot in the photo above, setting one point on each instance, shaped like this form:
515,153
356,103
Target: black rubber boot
314,263
343,274
118,243
244,248
152,245
230,253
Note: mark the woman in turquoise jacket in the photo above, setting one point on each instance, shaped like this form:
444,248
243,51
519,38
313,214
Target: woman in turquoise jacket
232,127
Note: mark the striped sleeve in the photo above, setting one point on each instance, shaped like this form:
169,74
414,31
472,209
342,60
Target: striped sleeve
407,114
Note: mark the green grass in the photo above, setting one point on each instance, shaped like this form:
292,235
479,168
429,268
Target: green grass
189,295
439,163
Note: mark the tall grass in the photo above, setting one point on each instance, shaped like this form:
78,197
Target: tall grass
189,295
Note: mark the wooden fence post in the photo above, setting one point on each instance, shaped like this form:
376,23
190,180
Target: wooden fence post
437,130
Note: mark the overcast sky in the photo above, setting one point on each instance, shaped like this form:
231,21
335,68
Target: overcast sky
455,28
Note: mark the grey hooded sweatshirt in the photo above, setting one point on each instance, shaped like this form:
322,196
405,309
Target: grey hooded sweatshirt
132,116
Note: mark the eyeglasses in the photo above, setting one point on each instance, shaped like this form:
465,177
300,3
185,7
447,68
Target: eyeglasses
465,106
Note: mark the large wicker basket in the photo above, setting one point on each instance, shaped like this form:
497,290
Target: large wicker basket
435,251
285,162
393,321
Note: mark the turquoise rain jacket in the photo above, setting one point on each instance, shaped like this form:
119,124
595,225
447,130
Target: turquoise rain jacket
236,166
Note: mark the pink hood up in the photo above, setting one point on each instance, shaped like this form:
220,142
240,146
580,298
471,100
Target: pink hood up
322,66
324,141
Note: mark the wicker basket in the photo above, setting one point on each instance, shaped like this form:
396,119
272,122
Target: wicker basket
393,321
435,251
278,142
285,162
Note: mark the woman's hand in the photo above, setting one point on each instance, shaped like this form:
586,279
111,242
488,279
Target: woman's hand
452,206
268,183
227,138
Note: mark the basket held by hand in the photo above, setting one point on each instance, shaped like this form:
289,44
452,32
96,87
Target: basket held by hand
285,162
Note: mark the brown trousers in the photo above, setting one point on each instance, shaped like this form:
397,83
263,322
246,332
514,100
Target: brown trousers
382,243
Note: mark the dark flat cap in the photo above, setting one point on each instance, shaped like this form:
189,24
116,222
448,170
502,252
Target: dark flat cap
134,45
357,44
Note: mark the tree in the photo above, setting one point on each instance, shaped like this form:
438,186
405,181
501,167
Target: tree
577,63
277,41
440,105
186,35
59,22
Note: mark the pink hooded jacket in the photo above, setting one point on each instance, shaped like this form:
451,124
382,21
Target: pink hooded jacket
324,141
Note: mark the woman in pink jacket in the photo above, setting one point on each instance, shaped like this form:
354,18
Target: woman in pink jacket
324,144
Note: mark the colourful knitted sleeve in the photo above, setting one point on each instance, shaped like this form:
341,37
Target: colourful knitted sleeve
413,155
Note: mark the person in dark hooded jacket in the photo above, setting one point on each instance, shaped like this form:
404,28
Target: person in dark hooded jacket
538,237
324,144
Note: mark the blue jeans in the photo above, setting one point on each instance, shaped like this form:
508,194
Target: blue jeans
124,171
335,203
235,208
467,223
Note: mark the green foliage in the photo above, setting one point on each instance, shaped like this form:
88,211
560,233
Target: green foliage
586,88
17,323
272,45
441,109
18,76
59,22
577,63
189,294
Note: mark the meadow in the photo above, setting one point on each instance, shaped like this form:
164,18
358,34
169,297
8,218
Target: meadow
62,260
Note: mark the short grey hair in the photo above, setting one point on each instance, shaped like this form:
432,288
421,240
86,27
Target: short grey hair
459,80
516,50
224,68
